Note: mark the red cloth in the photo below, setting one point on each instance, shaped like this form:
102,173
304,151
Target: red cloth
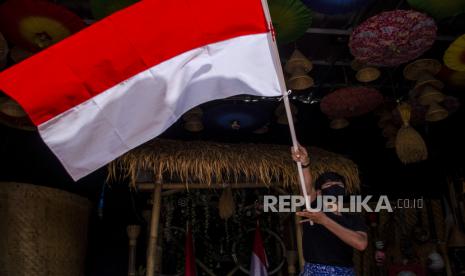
189,265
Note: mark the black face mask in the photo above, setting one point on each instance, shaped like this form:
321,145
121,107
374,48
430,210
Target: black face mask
334,190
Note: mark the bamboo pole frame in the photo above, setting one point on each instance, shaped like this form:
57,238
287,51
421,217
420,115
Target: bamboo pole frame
298,235
133,232
154,222
181,186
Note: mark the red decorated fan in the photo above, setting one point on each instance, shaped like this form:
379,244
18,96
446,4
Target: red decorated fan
36,24
392,38
349,102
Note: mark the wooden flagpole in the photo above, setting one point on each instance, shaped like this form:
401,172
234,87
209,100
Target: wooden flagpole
152,245
284,91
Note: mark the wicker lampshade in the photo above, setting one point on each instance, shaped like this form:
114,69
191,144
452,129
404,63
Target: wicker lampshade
339,123
299,80
436,113
298,61
430,95
367,74
416,69
428,79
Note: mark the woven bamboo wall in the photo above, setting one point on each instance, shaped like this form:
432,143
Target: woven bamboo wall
43,231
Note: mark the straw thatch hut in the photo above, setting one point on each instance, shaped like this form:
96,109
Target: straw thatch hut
215,163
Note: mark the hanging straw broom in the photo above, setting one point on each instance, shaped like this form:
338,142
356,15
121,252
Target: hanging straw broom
226,204
410,146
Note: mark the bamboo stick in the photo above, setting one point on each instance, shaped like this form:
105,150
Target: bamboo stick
133,233
284,91
298,234
152,245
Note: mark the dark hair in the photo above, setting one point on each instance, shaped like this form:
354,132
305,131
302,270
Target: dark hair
327,177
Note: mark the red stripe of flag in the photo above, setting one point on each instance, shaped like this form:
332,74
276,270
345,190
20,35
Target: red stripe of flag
116,48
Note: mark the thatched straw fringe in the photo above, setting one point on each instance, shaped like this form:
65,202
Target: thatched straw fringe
215,163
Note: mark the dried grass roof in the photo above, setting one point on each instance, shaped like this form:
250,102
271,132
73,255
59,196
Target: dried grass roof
216,163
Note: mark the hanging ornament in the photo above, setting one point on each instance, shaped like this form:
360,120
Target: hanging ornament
103,8
298,66
336,6
420,68
439,9
429,94
291,19
349,102
36,24
392,38
367,74
410,146
454,57
436,113
226,205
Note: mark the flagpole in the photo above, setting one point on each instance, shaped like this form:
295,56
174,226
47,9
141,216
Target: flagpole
279,71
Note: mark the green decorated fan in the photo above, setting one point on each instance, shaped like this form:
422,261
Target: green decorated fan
103,8
291,19
439,9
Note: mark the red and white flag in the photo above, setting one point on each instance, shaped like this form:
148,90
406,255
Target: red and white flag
127,78
189,260
258,262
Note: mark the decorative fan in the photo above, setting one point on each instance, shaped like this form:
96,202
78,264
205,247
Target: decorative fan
36,24
236,117
103,8
291,19
392,38
350,102
439,9
454,57
336,6
3,51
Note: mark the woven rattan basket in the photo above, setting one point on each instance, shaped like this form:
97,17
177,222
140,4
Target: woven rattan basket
43,231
